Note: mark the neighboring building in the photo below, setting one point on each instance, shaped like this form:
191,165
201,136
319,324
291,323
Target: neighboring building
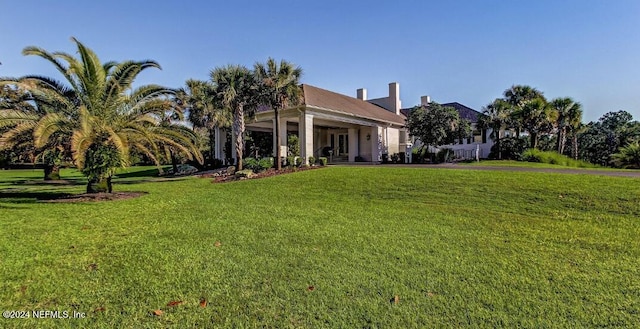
350,127
466,148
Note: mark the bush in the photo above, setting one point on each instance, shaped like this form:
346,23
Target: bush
312,161
627,156
291,161
359,159
322,161
511,148
550,157
265,163
385,158
250,163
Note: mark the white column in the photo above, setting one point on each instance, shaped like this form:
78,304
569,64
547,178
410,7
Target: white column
305,136
376,146
283,137
353,144
219,143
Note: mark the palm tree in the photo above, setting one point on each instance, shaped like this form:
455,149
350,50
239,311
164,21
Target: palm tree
25,102
235,89
279,86
108,116
569,117
496,117
537,117
199,100
517,96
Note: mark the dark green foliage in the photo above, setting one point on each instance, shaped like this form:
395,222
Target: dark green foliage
437,125
601,139
251,163
265,163
322,161
511,148
627,156
359,159
102,160
312,160
291,161
293,145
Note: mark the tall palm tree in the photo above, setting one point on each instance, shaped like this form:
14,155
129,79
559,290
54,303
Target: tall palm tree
517,96
569,117
496,117
236,90
537,117
279,87
204,110
108,116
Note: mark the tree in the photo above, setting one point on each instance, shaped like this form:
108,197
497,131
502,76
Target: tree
518,96
204,109
279,88
600,140
108,116
496,117
536,117
23,103
235,88
436,125
569,117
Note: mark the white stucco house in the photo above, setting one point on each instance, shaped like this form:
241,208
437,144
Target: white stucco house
353,128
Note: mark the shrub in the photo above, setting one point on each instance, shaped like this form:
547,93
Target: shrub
511,148
385,158
359,159
312,161
322,161
251,163
551,157
627,156
265,163
402,157
291,161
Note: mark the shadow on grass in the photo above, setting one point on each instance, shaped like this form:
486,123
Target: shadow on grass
153,172
31,197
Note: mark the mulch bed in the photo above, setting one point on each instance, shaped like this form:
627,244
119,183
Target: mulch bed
223,177
94,197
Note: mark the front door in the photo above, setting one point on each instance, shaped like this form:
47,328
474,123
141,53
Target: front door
343,144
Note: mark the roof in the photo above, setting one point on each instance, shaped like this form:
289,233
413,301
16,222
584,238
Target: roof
465,112
321,98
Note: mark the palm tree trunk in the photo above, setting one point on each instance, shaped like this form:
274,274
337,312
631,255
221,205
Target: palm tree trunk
238,127
51,172
534,140
100,185
278,140
174,162
574,146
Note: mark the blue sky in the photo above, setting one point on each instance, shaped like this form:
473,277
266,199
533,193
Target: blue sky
465,51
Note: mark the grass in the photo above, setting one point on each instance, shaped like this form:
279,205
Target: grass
525,164
459,248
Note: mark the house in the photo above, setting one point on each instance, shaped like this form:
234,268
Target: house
337,126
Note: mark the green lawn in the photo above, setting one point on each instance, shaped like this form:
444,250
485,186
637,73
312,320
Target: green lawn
458,247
